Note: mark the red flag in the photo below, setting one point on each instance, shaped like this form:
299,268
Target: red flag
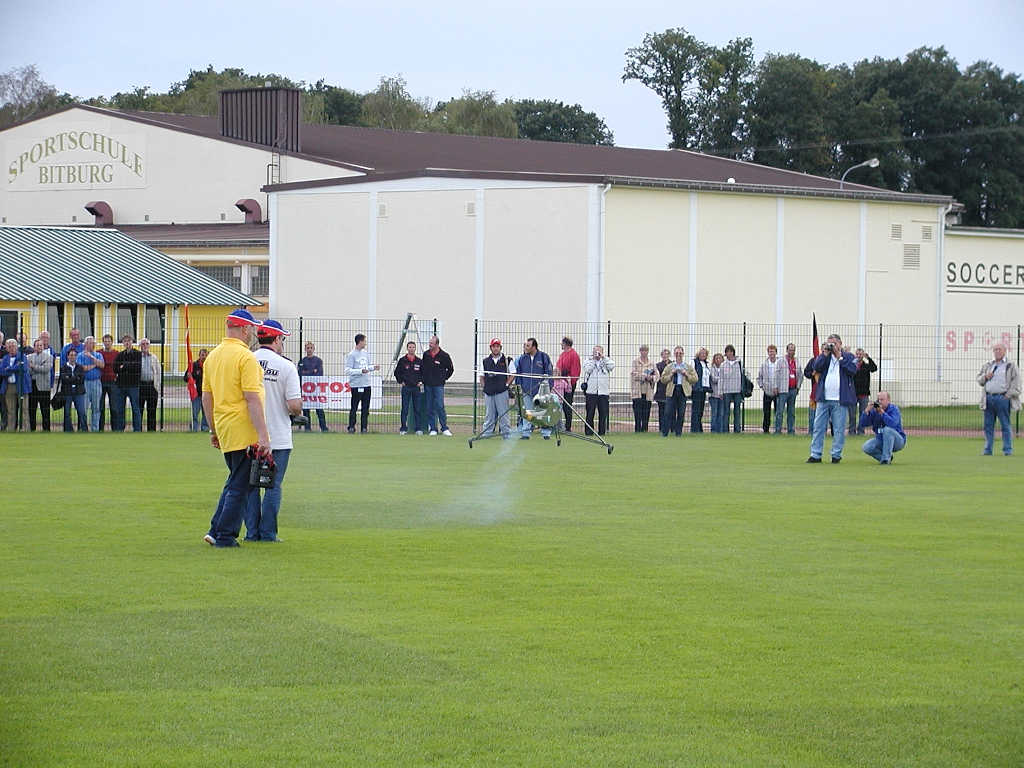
817,351
193,393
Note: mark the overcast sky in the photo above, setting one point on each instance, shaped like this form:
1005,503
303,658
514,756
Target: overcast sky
569,51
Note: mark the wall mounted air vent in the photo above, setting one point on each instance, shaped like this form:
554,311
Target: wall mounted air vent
896,233
911,256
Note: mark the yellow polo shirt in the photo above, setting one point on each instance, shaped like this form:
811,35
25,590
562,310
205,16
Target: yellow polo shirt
231,370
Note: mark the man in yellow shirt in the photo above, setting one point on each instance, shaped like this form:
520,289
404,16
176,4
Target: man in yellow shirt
233,404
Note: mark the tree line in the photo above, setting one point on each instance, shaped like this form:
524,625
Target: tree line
23,93
936,128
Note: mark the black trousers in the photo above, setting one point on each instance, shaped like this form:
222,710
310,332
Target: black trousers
40,400
360,395
597,403
566,410
698,399
641,413
766,408
105,399
148,399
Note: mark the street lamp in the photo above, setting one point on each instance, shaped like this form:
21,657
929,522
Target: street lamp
872,163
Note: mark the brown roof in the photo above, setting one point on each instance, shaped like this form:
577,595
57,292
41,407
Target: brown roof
223,234
403,154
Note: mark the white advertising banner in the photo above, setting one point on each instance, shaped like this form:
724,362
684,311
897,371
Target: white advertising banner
333,393
76,158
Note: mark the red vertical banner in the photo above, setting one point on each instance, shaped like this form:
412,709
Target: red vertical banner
193,393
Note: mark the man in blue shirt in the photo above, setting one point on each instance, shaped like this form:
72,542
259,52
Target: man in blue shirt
884,418
534,363
75,344
833,395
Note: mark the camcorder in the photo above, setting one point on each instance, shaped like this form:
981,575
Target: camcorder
299,420
829,347
262,470
876,405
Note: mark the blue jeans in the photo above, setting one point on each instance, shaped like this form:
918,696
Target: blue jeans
227,519
884,444
790,400
836,412
675,409
412,404
717,414
436,414
320,417
261,515
94,394
118,411
198,417
735,401
779,400
998,406
83,422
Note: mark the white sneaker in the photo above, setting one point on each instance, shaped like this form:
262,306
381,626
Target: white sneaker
209,539
447,433
402,432
433,432
419,431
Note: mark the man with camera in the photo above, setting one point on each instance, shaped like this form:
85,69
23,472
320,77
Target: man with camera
233,404
283,402
595,380
833,395
884,419
679,377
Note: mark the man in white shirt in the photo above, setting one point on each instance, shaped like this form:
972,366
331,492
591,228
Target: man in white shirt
358,368
283,399
833,394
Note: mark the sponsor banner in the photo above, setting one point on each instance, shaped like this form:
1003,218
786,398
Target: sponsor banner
76,158
333,393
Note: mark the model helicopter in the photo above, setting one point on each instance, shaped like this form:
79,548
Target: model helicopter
543,410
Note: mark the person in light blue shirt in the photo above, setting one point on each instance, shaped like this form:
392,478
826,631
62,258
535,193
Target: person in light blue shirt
884,419
92,363
359,369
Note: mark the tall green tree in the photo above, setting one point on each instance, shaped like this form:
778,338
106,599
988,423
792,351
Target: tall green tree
724,87
475,113
786,116
24,94
554,121
391,106
669,63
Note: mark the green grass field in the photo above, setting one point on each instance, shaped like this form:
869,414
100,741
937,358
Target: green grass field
704,601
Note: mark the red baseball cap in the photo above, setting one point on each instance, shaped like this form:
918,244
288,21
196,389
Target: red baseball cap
495,341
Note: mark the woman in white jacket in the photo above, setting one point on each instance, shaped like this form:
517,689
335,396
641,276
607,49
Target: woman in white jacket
595,381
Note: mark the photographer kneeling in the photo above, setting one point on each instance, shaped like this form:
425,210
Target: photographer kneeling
884,418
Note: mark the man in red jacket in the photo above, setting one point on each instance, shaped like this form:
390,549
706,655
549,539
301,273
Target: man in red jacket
568,365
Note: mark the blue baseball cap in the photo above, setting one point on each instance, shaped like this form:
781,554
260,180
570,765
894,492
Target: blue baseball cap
271,328
241,317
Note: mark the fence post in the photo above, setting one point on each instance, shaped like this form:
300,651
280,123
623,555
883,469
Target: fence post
879,388
743,400
163,363
1017,427
435,327
476,352
608,340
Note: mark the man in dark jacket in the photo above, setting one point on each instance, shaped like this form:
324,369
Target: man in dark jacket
311,365
127,371
862,386
409,373
833,395
534,365
437,369
72,386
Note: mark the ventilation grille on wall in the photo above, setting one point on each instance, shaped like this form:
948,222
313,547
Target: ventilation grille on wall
382,210
471,209
911,256
896,233
926,232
